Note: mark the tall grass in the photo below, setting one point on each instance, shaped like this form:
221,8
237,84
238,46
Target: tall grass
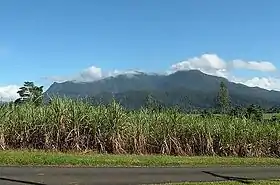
67,124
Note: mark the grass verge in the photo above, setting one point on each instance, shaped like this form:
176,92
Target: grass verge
265,182
42,158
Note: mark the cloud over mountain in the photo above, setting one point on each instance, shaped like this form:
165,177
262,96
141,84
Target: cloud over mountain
214,65
8,93
207,63
254,65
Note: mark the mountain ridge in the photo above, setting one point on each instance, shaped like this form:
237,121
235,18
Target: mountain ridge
186,83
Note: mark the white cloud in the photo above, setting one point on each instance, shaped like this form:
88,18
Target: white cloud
269,83
253,65
9,93
90,74
87,75
128,73
212,64
207,63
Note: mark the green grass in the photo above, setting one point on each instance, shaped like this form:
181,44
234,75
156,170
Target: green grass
40,158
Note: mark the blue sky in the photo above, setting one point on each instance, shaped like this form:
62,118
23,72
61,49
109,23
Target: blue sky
58,38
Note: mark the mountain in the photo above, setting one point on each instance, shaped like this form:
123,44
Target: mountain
188,89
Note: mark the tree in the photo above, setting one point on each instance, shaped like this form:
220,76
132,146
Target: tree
223,98
206,113
255,112
153,104
30,93
238,111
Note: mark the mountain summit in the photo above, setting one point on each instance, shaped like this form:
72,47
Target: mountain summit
193,88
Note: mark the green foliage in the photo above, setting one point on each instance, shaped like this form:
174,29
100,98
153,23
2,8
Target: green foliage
223,98
274,109
153,104
275,118
30,93
67,124
255,112
206,114
238,111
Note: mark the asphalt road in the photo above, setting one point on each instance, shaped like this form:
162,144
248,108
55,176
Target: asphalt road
130,176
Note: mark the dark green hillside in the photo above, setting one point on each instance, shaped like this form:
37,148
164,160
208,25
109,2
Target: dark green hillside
189,89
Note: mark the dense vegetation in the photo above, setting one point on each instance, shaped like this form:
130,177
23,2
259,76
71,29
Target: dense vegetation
67,124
